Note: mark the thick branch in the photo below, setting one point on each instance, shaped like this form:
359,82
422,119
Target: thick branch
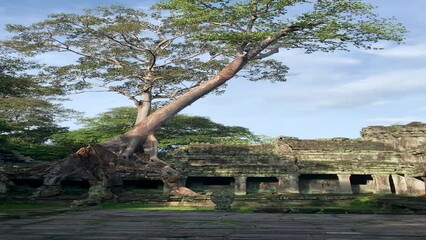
273,50
134,137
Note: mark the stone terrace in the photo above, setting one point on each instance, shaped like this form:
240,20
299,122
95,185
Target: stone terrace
385,160
128,224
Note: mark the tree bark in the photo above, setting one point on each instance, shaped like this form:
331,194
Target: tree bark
143,106
135,137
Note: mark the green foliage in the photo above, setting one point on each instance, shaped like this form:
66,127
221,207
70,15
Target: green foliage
165,54
367,202
42,152
27,117
124,50
180,130
321,25
184,129
394,128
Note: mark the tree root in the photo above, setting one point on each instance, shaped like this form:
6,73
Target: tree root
103,168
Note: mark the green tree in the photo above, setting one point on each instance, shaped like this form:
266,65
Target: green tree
215,39
27,117
179,130
193,48
249,32
131,52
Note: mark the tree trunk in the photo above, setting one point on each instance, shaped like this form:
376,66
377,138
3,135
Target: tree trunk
143,106
133,138
102,163
140,138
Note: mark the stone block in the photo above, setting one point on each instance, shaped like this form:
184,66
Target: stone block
288,183
382,184
400,184
415,186
240,185
345,183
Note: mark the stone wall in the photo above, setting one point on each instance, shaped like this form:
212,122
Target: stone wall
402,137
393,157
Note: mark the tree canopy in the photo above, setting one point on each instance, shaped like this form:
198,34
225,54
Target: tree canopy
128,51
181,50
26,112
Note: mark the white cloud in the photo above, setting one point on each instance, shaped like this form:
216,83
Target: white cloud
374,90
403,51
394,120
298,56
380,103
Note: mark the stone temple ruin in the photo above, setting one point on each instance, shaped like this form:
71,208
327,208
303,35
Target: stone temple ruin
385,160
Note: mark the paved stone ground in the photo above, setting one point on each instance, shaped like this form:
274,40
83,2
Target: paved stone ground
129,224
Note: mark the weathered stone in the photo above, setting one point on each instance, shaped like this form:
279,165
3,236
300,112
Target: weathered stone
345,183
415,187
48,191
382,184
402,137
240,185
393,158
382,151
3,188
223,199
288,183
399,183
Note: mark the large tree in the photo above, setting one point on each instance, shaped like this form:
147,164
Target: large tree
27,114
239,35
249,32
132,52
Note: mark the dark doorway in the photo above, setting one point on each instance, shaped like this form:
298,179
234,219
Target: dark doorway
362,183
318,183
262,185
209,183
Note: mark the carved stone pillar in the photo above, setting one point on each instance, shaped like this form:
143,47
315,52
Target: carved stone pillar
345,183
288,183
382,184
240,185
400,184
166,190
424,181
3,187
415,186
4,184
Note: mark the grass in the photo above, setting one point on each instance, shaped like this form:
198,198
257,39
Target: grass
243,209
22,210
133,206
359,204
6,207
366,204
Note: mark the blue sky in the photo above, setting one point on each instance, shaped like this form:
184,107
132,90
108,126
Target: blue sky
326,95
